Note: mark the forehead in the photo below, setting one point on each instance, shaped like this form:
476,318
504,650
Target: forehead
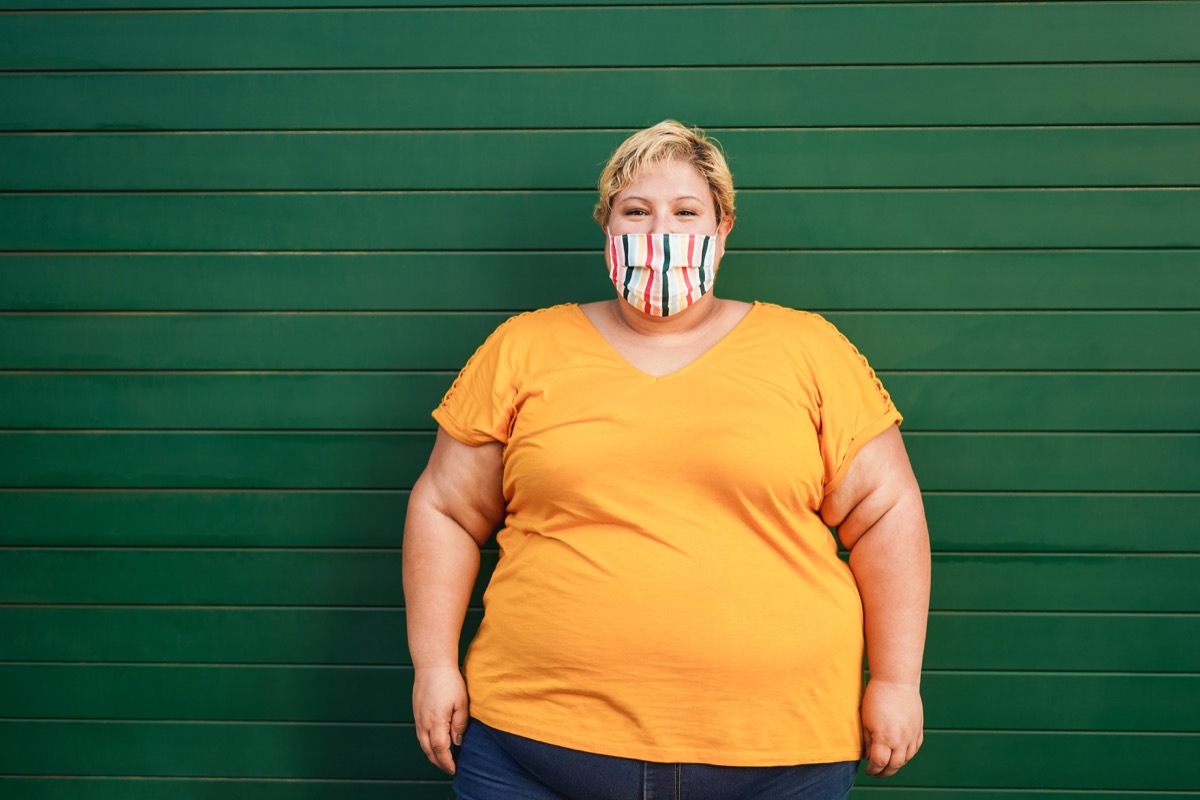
667,180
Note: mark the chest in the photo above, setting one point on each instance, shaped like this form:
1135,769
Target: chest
700,432
657,360
661,355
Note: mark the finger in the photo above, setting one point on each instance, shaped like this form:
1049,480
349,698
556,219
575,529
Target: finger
458,724
423,740
877,759
439,746
898,760
913,748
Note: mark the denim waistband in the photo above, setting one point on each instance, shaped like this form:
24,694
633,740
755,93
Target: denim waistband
496,765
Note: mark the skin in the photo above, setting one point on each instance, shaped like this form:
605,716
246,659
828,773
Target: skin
880,519
457,503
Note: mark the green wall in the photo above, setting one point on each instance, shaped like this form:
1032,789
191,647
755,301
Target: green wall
244,250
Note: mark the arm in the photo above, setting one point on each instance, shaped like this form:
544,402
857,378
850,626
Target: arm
454,507
879,516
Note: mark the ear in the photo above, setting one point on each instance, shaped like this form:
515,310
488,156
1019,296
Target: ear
723,229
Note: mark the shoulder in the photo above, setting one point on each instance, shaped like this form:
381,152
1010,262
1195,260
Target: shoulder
830,359
814,344
516,346
537,322
531,327
803,328
526,340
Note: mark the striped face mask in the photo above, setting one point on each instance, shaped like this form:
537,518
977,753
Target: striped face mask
661,274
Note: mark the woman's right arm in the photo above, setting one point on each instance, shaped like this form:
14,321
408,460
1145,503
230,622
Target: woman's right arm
453,509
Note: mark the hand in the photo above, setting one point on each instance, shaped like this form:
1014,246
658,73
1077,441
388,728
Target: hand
440,712
893,726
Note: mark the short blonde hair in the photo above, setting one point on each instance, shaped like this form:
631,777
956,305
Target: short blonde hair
667,141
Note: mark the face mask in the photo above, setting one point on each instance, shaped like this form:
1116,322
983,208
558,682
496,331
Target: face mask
661,274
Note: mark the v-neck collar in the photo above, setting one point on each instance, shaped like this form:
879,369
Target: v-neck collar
613,353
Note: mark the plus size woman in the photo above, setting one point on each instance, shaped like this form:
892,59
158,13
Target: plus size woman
669,617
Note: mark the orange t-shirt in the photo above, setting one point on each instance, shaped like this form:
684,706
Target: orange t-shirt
666,589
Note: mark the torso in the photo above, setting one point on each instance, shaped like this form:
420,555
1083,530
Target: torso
664,573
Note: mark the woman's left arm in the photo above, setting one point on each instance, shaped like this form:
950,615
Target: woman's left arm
879,516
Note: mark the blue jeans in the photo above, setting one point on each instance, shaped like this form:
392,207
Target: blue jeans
494,765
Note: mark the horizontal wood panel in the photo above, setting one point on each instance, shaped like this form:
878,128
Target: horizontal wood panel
949,758
868,790
1166,643
209,635
1069,701
1106,522
1071,760
430,281
382,460
15,787
560,37
390,401
219,460
232,401
1066,583
1030,280
1138,94
417,341
1045,401
212,518
1032,582
906,157
821,281
205,577
959,218
197,692
236,750
102,788
1064,522
1056,462
1030,641
243,341
999,701
41,5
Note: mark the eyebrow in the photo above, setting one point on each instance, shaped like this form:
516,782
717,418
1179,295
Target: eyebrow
647,200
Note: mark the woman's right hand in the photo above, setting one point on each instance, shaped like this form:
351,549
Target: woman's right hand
440,712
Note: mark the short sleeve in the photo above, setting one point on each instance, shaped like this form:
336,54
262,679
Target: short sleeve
480,404
854,406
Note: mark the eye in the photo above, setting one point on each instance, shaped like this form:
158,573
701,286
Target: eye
635,212
686,212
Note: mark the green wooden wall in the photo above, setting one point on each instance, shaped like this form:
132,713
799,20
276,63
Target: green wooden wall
246,244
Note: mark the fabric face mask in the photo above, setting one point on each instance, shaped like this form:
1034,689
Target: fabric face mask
661,274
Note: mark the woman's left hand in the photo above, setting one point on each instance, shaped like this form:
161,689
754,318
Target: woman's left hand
893,720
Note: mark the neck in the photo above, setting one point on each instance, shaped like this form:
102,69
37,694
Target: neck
698,316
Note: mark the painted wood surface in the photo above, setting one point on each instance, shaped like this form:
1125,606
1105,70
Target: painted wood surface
246,244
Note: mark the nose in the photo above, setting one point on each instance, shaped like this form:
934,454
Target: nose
663,222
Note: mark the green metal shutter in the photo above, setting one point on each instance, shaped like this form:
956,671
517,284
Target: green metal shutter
243,251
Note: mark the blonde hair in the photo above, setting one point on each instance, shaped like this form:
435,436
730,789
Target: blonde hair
667,141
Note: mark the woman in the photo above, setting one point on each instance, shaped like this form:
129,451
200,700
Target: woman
669,616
